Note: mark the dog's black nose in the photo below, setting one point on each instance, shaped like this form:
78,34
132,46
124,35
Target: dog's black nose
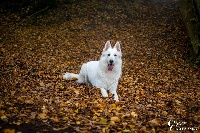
111,61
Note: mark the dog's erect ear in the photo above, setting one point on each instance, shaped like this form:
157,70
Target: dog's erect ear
117,46
107,46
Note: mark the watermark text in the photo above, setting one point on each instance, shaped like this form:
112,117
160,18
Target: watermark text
181,126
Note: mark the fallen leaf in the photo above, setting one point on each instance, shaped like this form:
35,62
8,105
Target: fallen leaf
8,130
115,119
2,112
103,120
33,114
42,116
165,113
95,117
78,122
154,122
54,119
42,84
178,102
134,115
126,131
144,130
4,118
112,123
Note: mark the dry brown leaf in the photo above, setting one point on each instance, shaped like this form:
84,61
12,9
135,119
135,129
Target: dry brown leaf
115,119
134,115
42,116
33,114
154,122
54,119
8,130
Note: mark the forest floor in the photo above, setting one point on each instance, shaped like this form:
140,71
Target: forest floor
158,91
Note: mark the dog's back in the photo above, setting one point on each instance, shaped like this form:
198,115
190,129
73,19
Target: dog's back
88,73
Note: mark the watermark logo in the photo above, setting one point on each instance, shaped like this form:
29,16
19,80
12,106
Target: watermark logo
181,126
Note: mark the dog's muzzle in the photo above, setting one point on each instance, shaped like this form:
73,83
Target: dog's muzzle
110,65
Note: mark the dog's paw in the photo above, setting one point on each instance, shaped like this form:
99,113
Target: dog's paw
104,92
116,98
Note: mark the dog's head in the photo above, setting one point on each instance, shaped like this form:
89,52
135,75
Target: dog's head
112,55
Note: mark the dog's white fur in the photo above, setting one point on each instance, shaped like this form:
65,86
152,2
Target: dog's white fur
103,74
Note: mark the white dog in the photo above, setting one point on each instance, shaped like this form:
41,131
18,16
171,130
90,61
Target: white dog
103,74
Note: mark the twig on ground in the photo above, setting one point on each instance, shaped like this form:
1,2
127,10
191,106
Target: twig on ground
35,14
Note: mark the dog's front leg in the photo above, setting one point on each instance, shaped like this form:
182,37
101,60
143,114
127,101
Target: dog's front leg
113,90
104,92
116,98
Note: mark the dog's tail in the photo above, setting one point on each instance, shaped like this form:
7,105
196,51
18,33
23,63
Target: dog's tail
70,76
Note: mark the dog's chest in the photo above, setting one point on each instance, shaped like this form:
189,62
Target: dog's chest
108,79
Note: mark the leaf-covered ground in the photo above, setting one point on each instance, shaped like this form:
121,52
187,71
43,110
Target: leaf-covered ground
157,85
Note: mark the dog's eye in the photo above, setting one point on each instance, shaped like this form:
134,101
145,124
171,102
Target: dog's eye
108,54
115,55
